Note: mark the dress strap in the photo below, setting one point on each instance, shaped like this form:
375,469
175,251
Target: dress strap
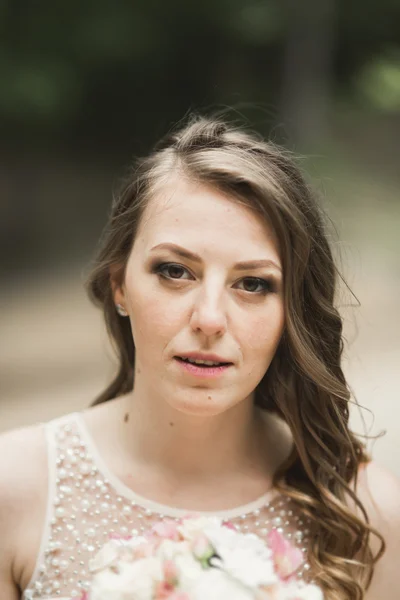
50,432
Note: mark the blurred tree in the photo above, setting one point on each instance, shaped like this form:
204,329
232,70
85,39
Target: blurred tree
101,81
308,69
102,71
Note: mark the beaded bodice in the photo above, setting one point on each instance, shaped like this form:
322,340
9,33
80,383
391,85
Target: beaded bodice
87,504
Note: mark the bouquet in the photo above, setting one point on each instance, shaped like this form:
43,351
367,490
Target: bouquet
198,558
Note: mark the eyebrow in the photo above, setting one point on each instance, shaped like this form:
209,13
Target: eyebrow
240,266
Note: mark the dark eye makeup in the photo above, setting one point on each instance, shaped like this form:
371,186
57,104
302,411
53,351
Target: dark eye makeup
174,271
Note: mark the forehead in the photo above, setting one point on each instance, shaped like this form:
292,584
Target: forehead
203,217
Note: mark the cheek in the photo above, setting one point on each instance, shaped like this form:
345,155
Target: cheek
262,337
260,341
153,318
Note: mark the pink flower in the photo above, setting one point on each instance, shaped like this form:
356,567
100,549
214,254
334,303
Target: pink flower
145,550
167,530
201,547
171,572
287,558
229,525
163,590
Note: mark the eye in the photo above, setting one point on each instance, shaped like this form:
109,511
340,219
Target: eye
252,285
257,285
170,270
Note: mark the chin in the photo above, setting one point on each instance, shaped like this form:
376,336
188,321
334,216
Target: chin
201,407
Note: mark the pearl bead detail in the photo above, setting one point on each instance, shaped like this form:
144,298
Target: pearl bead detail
87,508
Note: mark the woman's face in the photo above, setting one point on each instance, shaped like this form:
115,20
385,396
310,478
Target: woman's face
185,293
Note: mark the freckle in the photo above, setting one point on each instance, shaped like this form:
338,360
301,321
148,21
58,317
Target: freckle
209,397
171,424
126,418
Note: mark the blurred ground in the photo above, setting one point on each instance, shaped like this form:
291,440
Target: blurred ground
55,356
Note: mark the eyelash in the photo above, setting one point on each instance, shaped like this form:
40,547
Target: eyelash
269,284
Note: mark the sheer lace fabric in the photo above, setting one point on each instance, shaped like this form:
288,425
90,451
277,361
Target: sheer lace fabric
87,503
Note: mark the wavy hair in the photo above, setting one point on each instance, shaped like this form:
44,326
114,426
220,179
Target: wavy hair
304,384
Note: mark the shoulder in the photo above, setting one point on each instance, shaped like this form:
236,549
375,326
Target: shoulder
23,455
23,487
379,491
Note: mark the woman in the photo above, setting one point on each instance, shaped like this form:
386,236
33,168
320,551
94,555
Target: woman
217,285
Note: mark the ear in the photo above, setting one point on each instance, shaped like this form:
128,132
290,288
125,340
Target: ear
117,284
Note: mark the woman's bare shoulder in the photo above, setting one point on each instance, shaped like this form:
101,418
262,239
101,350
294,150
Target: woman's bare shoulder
23,491
379,491
23,462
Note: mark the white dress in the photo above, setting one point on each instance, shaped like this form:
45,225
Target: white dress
87,503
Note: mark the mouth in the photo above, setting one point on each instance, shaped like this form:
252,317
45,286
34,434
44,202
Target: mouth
202,363
201,369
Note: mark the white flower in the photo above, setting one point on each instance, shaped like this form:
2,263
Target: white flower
189,569
134,542
105,557
311,592
113,551
299,591
251,572
230,539
241,566
134,580
245,557
168,549
193,527
216,585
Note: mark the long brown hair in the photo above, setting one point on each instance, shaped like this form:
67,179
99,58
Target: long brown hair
304,384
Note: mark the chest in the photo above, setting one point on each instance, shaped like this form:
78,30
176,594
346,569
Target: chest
86,505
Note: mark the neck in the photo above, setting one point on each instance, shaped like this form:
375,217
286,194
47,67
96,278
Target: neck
192,447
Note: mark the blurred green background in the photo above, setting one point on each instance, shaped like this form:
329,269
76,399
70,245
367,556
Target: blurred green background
87,86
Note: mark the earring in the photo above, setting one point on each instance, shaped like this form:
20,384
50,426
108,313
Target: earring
121,310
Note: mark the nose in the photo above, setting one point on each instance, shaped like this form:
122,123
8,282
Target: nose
209,315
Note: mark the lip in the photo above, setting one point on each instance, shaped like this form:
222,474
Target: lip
205,372
203,356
